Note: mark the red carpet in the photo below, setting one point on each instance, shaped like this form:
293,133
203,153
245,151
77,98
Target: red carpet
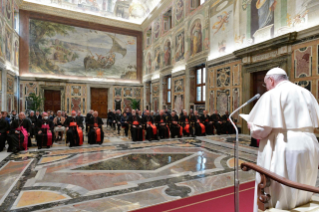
220,200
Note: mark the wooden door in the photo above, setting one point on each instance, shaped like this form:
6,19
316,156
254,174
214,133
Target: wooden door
258,80
99,98
52,100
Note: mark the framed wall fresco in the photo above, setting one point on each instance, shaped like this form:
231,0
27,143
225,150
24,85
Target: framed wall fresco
223,101
178,94
223,77
122,97
303,62
180,46
74,51
305,84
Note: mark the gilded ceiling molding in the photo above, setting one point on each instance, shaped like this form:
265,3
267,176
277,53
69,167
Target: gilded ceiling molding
78,16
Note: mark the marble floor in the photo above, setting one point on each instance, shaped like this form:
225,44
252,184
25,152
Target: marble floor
119,175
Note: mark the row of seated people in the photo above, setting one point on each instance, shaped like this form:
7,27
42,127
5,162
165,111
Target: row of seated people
172,125
18,133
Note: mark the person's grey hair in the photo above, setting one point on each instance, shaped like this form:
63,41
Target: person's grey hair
59,111
278,77
31,111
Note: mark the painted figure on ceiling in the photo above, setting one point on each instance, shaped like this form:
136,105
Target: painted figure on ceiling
196,38
221,23
266,10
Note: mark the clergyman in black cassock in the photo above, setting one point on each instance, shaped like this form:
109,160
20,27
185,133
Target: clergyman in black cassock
199,127
19,132
176,129
136,127
209,127
4,127
74,134
186,124
218,123
229,128
150,128
162,125
96,134
44,132
89,115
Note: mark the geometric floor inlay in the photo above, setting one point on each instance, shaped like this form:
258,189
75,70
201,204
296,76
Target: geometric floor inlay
136,162
120,175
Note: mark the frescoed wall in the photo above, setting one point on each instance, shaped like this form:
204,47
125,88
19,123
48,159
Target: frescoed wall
73,51
178,94
123,96
155,96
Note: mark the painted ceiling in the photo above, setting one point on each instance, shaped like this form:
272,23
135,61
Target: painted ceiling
132,11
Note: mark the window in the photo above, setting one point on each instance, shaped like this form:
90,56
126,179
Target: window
16,22
167,17
201,85
169,90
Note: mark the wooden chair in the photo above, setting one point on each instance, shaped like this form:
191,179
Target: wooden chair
263,198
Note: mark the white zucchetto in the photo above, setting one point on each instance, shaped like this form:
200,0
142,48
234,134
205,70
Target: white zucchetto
276,71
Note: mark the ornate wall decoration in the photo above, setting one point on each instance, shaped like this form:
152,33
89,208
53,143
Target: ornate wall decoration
7,11
211,75
305,84
16,51
155,89
31,87
236,101
196,37
180,46
118,104
157,58
117,92
2,38
179,11
127,104
179,85
76,90
155,104
78,51
167,53
8,44
303,62
211,102
236,75
76,103
137,92
157,28
223,101
178,103
223,77
148,63
10,84
128,92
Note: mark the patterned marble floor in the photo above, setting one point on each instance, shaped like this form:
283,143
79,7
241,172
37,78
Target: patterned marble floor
119,175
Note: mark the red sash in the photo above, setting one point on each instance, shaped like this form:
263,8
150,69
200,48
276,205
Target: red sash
186,128
80,133
153,127
25,134
136,123
49,134
97,133
203,128
180,130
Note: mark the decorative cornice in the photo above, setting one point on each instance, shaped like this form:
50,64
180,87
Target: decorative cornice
221,60
271,44
308,34
155,13
197,59
78,16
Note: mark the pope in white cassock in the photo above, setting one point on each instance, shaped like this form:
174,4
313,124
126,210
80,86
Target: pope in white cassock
284,119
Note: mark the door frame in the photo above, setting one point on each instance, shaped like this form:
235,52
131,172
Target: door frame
60,88
110,102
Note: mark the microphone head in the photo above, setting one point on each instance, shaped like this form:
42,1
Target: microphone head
257,95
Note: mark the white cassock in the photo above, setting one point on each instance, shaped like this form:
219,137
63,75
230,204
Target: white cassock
284,120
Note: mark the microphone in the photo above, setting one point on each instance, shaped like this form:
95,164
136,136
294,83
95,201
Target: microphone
236,155
252,99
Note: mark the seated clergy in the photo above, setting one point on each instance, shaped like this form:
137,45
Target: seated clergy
229,128
74,133
89,115
96,134
176,129
124,122
110,117
162,125
199,127
44,131
80,120
218,124
136,127
150,128
19,132
59,128
209,127
185,122
118,117
4,127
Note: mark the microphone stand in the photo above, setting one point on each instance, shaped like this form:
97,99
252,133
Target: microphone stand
236,178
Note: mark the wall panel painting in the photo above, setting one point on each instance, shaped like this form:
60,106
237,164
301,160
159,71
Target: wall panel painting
2,36
223,77
180,46
211,103
196,37
304,84
303,62
7,11
223,101
74,51
167,53
178,103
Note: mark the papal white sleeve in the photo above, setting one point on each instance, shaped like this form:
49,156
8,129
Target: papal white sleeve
258,132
